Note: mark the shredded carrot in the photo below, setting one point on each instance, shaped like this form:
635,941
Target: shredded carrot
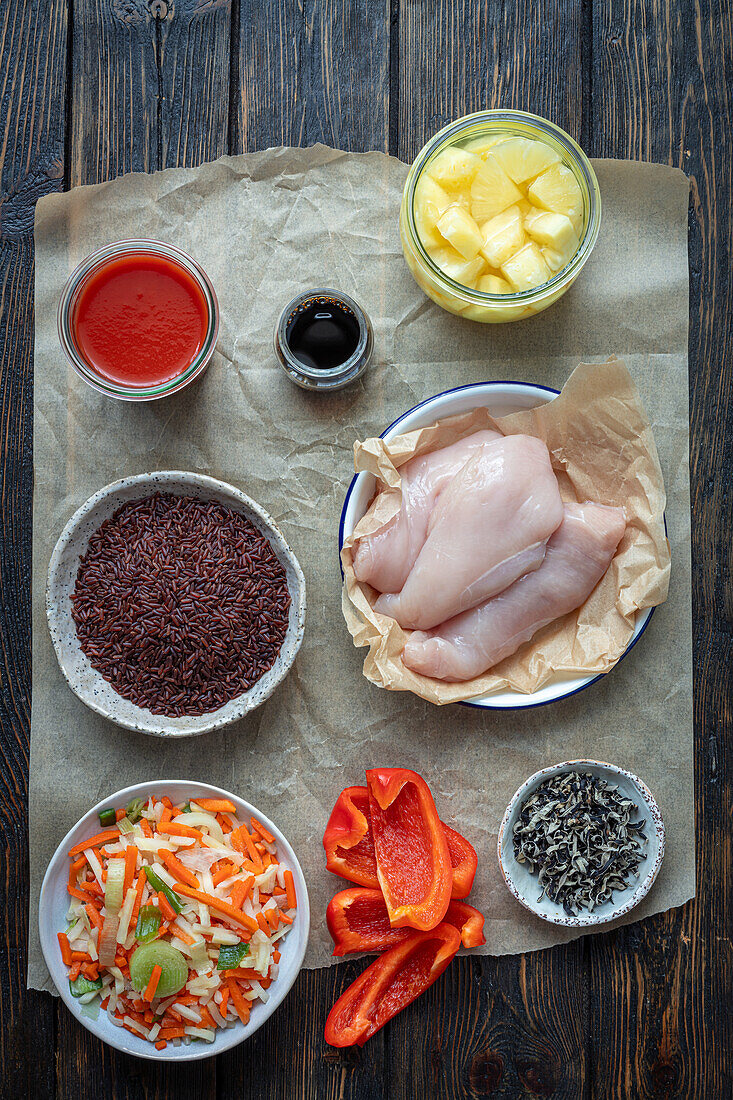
163,930
148,1016
145,826
80,956
152,984
224,999
90,970
216,904
276,956
180,934
284,918
254,855
241,890
164,817
177,869
216,805
248,865
119,814
206,1017
65,946
224,822
165,907
75,971
262,921
290,890
167,802
130,868
139,887
243,973
161,1044
172,1032
271,918
79,863
94,841
226,868
174,829
94,917
260,828
242,1006
92,888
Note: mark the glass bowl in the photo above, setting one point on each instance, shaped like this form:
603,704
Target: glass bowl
70,297
475,304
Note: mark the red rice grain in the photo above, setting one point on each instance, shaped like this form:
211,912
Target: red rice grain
180,604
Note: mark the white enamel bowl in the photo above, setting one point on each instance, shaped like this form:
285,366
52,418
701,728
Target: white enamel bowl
501,398
90,685
54,902
524,885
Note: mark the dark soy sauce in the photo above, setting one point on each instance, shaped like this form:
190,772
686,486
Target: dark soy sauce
323,334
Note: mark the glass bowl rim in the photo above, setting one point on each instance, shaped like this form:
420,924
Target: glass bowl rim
94,262
581,164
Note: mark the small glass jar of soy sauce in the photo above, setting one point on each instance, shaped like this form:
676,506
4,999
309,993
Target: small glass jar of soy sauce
323,340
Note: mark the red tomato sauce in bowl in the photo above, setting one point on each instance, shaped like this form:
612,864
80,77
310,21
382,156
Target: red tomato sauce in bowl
138,320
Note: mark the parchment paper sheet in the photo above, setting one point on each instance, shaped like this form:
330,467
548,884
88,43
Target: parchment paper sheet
265,226
602,449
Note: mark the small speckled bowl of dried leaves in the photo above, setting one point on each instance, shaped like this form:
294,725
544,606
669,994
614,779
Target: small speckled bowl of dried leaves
581,843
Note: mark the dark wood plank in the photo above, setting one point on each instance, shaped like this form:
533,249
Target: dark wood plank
150,86
455,58
150,89
317,70
660,1008
32,84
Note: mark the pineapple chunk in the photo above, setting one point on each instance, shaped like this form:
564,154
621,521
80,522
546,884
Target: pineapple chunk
482,145
555,260
557,190
430,202
455,266
526,269
453,168
502,236
460,230
492,191
493,284
554,230
521,158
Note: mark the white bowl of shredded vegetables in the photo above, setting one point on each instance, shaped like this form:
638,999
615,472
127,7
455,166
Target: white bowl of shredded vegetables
174,919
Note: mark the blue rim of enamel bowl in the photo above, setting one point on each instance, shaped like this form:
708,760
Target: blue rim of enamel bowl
487,705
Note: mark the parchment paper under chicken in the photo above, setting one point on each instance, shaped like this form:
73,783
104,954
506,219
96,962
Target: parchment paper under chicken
603,450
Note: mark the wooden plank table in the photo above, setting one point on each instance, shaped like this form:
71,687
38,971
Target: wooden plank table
93,88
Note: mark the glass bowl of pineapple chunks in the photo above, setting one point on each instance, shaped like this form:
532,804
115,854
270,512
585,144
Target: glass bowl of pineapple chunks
499,214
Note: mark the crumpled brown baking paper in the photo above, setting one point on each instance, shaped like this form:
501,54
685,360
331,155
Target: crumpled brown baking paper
266,226
602,449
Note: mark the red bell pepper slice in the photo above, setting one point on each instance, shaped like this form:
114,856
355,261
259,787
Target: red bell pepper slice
350,848
389,984
413,861
358,921
348,839
463,860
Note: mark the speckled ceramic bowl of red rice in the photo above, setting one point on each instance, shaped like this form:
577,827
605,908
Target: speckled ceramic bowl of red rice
174,602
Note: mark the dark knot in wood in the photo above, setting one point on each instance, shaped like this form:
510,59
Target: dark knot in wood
486,1072
538,1079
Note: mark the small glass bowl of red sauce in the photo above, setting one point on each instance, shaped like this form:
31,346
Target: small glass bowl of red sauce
138,320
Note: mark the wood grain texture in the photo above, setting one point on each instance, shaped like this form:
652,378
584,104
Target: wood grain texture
457,57
660,1020
149,86
32,84
152,83
313,70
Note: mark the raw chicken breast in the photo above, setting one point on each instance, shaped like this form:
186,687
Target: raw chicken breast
488,527
578,555
385,558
